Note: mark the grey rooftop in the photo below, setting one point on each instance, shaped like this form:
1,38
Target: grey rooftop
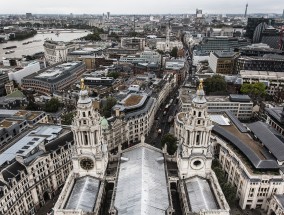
200,195
84,194
142,185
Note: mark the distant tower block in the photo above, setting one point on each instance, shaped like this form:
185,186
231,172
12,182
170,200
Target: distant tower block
108,15
199,13
283,14
246,12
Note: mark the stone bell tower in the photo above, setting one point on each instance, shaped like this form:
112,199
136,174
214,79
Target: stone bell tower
91,155
195,152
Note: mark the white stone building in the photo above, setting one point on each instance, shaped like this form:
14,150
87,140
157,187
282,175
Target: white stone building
33,169
240,105
19,74
56,52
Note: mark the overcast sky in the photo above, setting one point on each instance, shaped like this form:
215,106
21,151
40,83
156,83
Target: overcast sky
139,6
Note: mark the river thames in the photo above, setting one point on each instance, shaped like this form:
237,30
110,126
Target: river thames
34,47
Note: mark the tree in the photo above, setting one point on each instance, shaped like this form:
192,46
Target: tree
215,84
174,52
106,110
228,189
171,142
52,105
67,119
115,75
255,90
161,52
31,101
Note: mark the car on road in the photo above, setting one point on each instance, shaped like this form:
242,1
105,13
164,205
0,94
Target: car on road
50,212
159,131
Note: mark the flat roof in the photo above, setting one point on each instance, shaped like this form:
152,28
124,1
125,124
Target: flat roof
84,194
142,185
132,100
200,195
7,123
239,98
33,115
56,72
21,113
223,54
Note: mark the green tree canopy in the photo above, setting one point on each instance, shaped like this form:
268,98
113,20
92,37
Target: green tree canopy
255,90
106,110
115,75
67,119
171,142
52,105
31,102
174,52
216,83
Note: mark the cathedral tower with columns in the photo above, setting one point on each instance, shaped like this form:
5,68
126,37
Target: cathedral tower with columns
90,155
194,155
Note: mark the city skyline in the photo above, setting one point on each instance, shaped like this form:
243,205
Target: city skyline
145,7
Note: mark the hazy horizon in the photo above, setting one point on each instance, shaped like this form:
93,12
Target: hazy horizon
128,7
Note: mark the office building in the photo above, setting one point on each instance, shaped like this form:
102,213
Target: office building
133,43
254,22
56,52
99,81
178,68
269,62
270,36
258,50
240,105
221,44
138,110
19,73
4,79
274,81
54,78
222,62
29,15
257,35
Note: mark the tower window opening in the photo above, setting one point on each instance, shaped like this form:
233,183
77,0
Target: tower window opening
197,138
197,163
86,139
